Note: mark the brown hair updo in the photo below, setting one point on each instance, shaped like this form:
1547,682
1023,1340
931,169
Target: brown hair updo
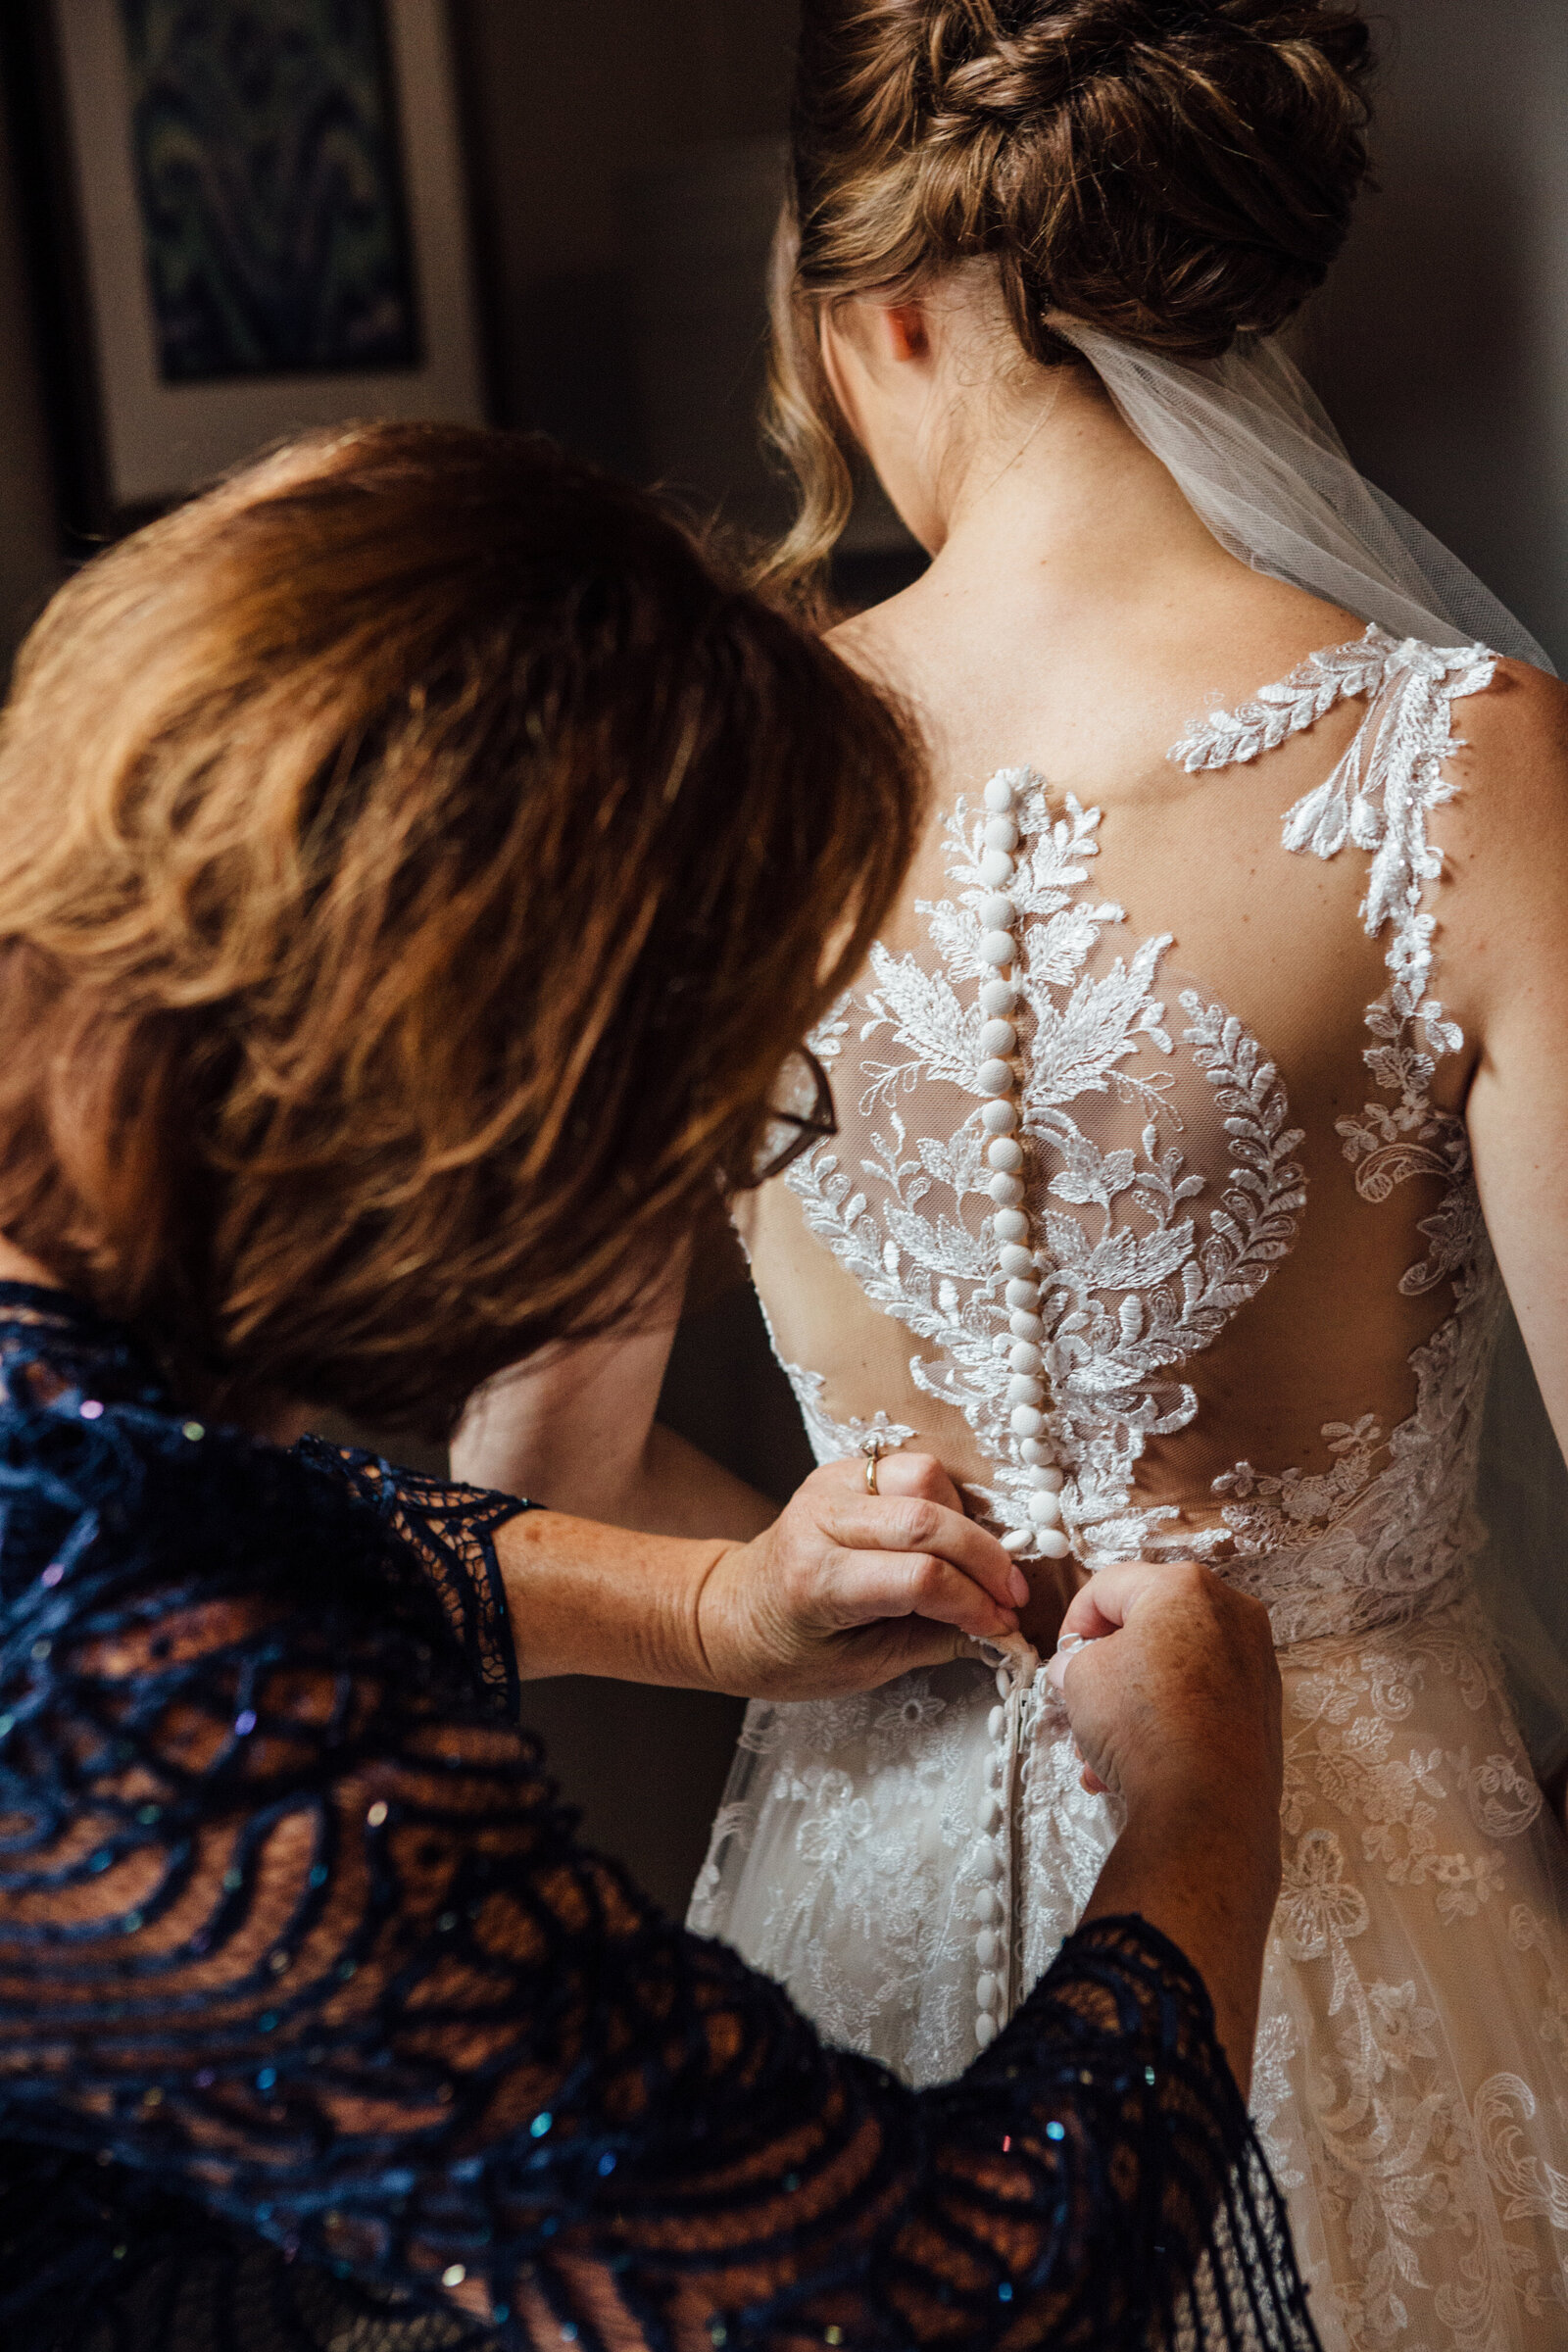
1177,172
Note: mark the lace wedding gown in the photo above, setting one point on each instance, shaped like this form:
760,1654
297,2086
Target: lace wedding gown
1267,1307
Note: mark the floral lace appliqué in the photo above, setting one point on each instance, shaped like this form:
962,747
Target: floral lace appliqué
1141,1266
1380,799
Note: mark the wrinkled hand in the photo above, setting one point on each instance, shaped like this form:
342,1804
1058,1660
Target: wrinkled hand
1174,1697
1174,1701
848,1590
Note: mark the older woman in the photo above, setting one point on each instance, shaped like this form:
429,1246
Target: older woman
411,870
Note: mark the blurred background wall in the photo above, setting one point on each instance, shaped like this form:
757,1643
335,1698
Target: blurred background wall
1441,343
624,161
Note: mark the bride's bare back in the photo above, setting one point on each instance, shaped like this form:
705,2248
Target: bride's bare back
1225,1202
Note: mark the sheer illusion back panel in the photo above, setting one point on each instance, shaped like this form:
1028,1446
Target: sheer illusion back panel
1193,1033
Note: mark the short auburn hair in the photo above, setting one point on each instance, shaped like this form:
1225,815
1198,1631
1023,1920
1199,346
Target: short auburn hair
417,861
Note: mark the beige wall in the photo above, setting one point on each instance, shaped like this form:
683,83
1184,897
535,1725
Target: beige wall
564,104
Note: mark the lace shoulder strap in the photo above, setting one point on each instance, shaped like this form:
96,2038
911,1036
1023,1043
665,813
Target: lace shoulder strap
1385,788
1380,799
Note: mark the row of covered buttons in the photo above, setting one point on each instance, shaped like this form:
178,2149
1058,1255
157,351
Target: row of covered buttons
990,1905
999,1083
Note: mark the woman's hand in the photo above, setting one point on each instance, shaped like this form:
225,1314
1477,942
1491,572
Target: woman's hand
1175,1702
848,1590
844,1591
1175,1685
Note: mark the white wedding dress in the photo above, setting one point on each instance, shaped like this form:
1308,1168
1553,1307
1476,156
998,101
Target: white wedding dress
1266,1311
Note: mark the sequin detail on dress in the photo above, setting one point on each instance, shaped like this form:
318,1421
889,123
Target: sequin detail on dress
320,2032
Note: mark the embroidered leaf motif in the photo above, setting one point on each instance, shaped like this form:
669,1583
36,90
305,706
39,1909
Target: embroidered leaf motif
1134,1278
1233,738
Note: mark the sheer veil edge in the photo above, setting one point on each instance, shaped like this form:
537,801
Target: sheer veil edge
1257,457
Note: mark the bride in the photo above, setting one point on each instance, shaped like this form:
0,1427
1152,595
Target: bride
1198,1112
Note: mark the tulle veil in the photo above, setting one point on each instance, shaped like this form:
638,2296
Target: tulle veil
1259,459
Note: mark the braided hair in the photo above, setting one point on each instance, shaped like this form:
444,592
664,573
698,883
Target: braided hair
1178,173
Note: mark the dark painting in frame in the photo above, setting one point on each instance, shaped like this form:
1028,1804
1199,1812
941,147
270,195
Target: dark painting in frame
251,218
268,167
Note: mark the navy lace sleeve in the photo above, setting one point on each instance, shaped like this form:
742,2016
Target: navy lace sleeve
452,1530
318,2025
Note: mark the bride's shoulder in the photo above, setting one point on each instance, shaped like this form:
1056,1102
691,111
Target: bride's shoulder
881,641
1521,709
1511,762
1504,836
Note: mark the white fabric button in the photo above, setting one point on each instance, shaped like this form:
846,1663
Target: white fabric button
1053,1544
1024,1295
987,1907
1005,1191
1006,1154
1045,1510
997,947
998,914
1027,1421
996,1722
1024,1358
998,1037
1017,1265
1001,833
987,1946
999,1118
988,1993
1036,1456
998,998
985,2031
996,1078
996,868
1048,1482
998,797
1024,1389
987,1865
1025,1326
1018,1542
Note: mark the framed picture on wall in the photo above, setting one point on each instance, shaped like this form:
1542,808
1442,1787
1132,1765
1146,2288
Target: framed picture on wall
258,216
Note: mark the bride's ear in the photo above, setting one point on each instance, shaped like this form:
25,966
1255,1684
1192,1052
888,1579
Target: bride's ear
879,337
874,354
883,364
906,332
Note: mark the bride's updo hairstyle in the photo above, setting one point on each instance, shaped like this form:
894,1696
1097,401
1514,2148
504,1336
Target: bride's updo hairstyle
1177,172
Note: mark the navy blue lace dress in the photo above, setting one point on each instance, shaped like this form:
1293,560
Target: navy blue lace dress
319,2032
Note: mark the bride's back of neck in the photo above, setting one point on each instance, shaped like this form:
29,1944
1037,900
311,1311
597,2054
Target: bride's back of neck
1058,539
